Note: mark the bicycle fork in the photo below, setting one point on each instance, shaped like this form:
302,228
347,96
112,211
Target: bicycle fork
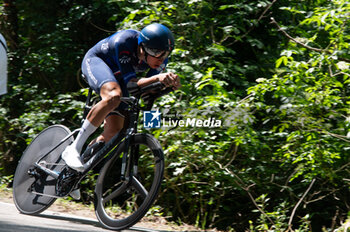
129,169
125,169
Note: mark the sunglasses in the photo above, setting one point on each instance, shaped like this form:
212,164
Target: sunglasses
154,52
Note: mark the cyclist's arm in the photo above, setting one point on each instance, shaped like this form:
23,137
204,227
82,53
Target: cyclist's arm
168,79
156,75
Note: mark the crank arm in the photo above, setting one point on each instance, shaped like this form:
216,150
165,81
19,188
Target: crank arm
45,195
47,171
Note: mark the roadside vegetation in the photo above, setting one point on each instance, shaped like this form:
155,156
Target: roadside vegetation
277,73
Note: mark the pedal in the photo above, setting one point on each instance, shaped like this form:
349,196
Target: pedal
32,173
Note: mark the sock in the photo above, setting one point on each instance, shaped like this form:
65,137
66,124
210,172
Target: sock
85,131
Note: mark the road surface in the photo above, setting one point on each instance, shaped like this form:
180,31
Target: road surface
13,221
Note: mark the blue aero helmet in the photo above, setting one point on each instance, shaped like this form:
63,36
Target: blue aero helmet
157,40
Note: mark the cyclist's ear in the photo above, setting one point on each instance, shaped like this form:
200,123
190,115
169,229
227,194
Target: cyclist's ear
141,52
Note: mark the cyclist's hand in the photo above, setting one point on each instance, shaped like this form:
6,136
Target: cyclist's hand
170,80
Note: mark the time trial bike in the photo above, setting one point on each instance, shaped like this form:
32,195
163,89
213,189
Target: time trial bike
132,166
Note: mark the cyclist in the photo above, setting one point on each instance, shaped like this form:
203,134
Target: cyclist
109,66
3,65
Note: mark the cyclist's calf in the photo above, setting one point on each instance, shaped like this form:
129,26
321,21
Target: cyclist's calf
113,124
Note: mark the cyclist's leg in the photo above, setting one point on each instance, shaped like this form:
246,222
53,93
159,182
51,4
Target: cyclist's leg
112,125
110,94
71,155
115,119
102,80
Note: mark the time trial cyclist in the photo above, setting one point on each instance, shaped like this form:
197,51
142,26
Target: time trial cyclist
109,66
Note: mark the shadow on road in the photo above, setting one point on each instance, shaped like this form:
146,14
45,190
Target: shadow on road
71,219
90,222
9,227
13,221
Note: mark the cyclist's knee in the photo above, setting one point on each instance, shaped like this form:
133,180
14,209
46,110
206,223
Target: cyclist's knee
111,94
113,99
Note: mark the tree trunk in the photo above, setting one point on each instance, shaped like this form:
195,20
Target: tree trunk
9,24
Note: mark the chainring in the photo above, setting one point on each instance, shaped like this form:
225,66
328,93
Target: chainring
66,181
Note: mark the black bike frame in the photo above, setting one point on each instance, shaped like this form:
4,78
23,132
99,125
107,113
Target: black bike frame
126,133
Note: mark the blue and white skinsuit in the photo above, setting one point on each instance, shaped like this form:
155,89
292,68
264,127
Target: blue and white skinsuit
115,59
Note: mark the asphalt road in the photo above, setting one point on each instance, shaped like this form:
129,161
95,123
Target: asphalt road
13,221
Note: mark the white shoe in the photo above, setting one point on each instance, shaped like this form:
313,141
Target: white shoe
72,158
75,194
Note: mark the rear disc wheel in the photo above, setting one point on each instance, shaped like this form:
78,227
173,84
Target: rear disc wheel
29,182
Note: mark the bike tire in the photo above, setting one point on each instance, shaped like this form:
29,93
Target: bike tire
143,189
25,200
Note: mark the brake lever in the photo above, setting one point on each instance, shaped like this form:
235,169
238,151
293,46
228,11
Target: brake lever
152,87
137,91
150,98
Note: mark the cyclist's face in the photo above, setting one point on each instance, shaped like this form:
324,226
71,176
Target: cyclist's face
155,62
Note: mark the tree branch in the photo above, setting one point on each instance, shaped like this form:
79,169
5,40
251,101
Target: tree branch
9,24
273,21
234,155
259,19
100,28
341,137
240,183
297,205
296,41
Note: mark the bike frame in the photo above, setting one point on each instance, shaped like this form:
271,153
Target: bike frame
125,133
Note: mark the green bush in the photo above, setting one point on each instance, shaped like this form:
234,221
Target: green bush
280,159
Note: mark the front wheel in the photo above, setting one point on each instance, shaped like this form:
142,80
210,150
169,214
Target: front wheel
120,204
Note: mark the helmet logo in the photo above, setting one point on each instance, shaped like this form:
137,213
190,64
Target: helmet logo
144,36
